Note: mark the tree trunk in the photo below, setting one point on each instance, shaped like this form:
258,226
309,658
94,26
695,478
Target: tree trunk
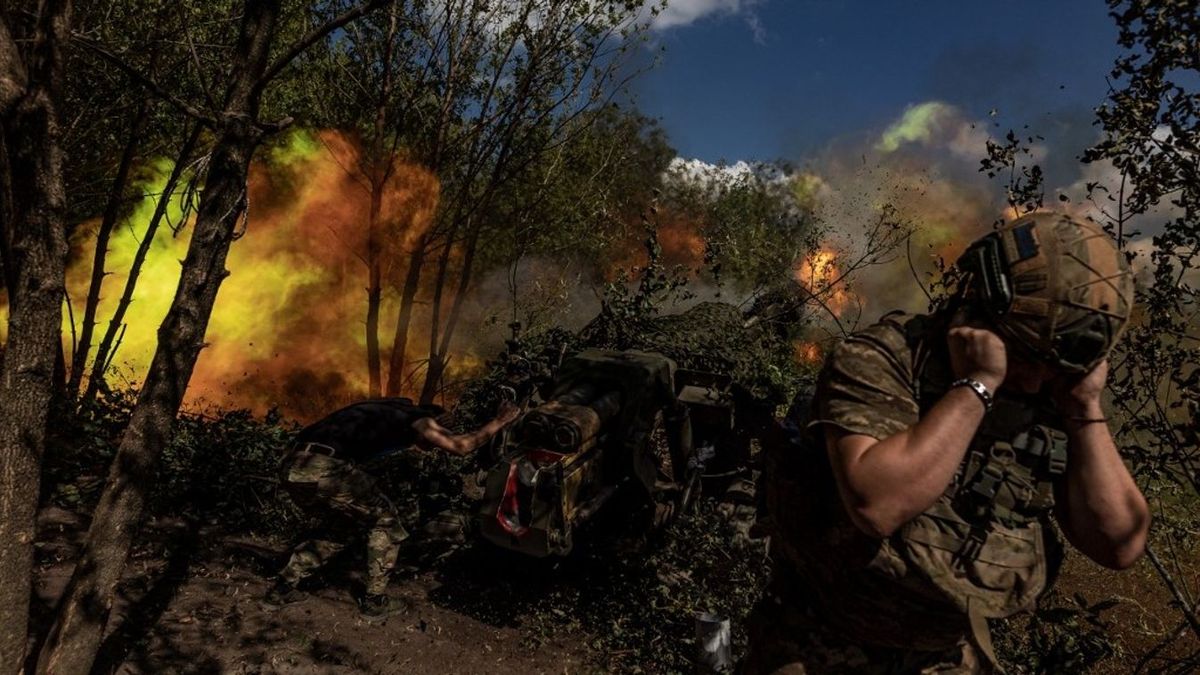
381,169
36,251
74,638
112,211
105,350
438,357
374,290
6,199
408,295
433,371
464,283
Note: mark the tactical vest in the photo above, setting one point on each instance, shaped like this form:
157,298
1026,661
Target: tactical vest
984,549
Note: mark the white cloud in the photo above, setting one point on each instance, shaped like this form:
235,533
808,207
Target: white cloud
712,176
685,12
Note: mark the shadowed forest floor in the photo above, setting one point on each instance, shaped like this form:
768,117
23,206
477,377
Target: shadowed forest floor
191,603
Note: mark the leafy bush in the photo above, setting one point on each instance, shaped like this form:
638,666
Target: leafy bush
1064,635
222,467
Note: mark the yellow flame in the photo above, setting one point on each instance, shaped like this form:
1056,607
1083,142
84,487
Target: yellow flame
295,299
819,274
808,353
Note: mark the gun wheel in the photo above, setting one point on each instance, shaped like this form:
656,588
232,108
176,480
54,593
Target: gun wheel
676,488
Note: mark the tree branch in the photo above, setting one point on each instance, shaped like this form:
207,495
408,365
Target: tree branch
154,87
314,35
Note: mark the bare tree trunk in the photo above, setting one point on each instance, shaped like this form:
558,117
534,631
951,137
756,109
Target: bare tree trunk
433,372
34,213
382,161
437,365
464,283
74,638
105,350
408,295
112,211
7,264
374,290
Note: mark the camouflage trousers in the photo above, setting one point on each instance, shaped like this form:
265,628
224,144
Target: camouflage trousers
787,637
349,505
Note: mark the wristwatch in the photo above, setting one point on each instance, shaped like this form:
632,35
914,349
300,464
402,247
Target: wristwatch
978,387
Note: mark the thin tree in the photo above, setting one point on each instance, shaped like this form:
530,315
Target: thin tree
538,79
82,615
107,347
117,199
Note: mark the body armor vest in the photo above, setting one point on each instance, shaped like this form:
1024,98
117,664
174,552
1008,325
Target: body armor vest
1016,456
984,549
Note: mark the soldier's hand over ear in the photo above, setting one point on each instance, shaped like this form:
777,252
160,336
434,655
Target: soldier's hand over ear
1080,395
979,354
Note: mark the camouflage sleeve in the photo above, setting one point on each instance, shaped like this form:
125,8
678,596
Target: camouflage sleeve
866,386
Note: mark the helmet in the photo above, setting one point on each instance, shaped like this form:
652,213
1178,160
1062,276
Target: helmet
1053,285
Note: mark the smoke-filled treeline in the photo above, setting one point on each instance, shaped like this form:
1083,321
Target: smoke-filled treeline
447,168
364,174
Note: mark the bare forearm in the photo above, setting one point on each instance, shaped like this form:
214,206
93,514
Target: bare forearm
465,444
1107,516
899,477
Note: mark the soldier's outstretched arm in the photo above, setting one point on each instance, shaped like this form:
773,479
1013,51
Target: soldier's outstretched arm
1099,507
433,436
886,482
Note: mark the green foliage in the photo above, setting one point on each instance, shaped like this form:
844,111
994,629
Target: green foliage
218,468
1151,125
1151,131
1061,636
79,447
638,296
699,566
756,223
1011,160
577,206
635,600
222,468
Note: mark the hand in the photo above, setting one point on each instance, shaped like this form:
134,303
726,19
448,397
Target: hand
1079,395
507,413
979,354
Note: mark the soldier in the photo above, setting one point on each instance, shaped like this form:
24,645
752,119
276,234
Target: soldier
323,472
939,448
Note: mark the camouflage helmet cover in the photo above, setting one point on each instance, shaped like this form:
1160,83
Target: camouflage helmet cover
1056,286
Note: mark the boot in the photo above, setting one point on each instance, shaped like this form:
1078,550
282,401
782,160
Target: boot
282,594
378,607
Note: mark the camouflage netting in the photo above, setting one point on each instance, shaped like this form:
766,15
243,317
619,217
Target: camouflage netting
712,337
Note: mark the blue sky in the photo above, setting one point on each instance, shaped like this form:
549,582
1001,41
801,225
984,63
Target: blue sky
781,79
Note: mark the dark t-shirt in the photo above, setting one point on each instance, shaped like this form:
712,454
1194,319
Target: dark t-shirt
368,429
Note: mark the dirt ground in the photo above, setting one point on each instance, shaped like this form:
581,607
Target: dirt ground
1149,634
191,603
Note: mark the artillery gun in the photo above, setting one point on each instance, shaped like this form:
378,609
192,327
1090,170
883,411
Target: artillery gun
603,428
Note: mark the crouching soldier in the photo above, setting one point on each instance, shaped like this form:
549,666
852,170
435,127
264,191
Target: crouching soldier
325,472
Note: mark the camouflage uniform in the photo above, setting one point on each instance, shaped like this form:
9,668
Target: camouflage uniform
1058,291
347,501
324,474
917,601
